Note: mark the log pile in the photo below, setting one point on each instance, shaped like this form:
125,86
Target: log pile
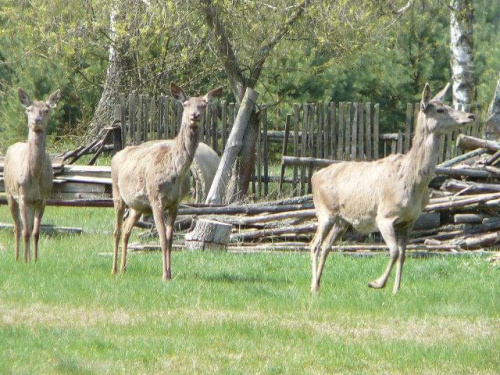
462,213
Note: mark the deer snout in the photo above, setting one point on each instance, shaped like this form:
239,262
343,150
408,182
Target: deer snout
196,116
472,117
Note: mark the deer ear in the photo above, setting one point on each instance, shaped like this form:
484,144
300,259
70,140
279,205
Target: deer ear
54,98
213,93
426,97
177,92
23,97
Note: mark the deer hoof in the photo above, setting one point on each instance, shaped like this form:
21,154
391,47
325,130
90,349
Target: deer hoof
376,284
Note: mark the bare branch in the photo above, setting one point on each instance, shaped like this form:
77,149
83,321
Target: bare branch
225,48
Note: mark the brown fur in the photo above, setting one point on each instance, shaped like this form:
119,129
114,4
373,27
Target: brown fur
149,178
387,194
28,174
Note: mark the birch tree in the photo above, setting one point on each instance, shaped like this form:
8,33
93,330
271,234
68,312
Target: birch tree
462,53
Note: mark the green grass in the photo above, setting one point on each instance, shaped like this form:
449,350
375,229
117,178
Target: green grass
237,313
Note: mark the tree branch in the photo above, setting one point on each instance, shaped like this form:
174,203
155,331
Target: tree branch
266,49
225,48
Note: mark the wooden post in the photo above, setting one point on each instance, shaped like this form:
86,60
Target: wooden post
361,131
319,130
266,150
354,129
407,137
285,151
334,130
296,114
376,136
368,131
223,104
215,138
208,235
117,130
132,117
340,144
348,131
303,145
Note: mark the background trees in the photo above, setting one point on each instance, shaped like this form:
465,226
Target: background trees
289,50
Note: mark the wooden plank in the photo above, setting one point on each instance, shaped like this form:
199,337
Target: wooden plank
348,131
73,187
123,118
340,143
215,138
132,118
333,130
285,151
354,129
296,124
376,118
266,150
320,130
368,131
361,132
303,143
327,126
310,129
223,104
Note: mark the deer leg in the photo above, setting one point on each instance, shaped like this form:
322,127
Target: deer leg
324,227
27,215
402,240
388,233
337,230
14,210
36,228
167,273
119,212
127,230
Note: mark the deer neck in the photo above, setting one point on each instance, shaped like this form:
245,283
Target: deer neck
184,148
36,151
422,158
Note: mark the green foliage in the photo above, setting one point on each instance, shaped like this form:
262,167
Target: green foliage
341,51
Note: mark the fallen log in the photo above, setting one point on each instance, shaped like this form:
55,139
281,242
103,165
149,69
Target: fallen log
263,233
478,241
242,209
462,202
467,142
49,229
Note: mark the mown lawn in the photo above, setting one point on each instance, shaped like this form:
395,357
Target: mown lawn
237,313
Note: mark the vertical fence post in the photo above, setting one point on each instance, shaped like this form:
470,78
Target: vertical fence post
368,130
285,151
348,130
361,132
334,130
376,136
266,150
132,117
409,115
223,104
303,144
123,118
340,144
296,114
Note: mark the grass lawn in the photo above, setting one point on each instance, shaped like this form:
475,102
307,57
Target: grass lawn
237,313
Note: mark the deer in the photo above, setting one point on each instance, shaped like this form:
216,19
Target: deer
387,194
28,174
149,178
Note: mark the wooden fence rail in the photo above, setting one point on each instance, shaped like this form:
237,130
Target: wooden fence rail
339,131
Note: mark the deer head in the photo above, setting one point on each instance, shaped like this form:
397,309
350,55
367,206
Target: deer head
38,111
440,118
194,106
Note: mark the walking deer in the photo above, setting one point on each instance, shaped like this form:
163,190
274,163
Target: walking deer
28,173
149,178
387,194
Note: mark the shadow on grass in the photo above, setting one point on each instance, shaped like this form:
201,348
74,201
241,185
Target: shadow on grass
233,278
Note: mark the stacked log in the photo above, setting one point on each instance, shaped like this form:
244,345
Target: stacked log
462,213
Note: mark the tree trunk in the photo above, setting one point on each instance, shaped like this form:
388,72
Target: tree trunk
115,79
462,53
493,121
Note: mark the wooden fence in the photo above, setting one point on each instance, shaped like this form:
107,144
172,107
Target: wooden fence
341,131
